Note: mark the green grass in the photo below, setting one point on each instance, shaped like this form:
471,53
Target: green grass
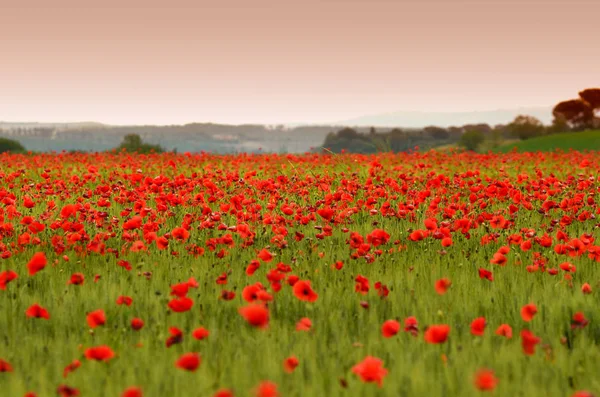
239,357
587,140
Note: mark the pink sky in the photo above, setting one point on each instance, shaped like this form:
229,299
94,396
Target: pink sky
235,61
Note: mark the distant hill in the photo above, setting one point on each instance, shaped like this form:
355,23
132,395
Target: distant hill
447,119
587,140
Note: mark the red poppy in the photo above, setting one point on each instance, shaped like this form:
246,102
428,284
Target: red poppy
267,389
390,328
71,367
76,279
483,273
227,295
250,292
411,325
305,324
96,318
528,312
528,342
36,311
582,393
485,380
175,338
224,393
38,262
290,364
99,353
137,324
371,370
437,333
188,361
67,391
132,392
504,330
256,315
180,305
6,277
442,285
265,255
124,300
586,289
200,333
579,321
304,292
5,366
478,326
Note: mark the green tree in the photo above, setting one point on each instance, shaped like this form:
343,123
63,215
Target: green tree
133,143
11,146
471,140
525,127
577,113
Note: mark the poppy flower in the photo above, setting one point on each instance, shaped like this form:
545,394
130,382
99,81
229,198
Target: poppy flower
442,285
6,277
36,311
411,325
37,263
71,367
250,292
180,305
478,326
5,366
436,334
267,389
96,318
175,338
132,392
124,300
585,288
76,279
137,324
304,292
290,364
528,342
67,391
485,380
504,330
483,273
256,315
582,393
99,353
188,361
579,321
528,312
223,393
68,211
200,333
305,324
265,255
390,328
498,259
227,295
371,370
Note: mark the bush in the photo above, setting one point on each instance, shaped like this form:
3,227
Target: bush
11,146
471,140
133,143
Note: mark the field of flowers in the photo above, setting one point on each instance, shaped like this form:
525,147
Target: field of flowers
418,274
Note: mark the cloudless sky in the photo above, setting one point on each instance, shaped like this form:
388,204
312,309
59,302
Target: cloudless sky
235,61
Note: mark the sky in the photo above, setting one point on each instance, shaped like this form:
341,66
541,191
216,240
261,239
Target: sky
267,61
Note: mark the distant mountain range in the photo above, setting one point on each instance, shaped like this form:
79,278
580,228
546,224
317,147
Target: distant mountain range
409,119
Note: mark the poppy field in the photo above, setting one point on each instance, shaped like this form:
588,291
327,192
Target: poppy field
412,274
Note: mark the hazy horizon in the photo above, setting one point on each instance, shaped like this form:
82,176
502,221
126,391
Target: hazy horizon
284,62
